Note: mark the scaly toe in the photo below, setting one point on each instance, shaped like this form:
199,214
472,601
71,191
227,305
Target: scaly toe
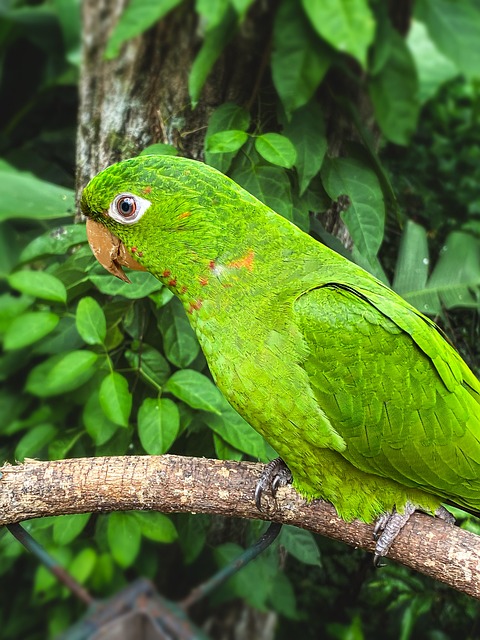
275,475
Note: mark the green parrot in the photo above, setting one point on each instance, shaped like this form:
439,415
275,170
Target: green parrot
362,396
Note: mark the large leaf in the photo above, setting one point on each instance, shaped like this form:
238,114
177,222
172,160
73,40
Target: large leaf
29,328
115,398
142,284
277,149
365,215
34,441
158,424
455,29
411,271
433,68
97,425
137,18
394,92
228,116
306,130
196,390
61,373
150,363
90,321
215,41
269,184
56,242
455,280
179,341
226,141
348,25
232,428
124,537
22,195
300,59
38,284
156,526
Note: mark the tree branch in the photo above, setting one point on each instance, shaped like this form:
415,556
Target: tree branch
198,485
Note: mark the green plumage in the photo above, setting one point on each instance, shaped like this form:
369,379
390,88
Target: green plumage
360,394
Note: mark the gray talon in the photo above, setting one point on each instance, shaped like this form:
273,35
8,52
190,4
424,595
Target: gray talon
389,525
275,475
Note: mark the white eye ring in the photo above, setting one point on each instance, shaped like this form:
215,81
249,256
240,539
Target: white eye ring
127,208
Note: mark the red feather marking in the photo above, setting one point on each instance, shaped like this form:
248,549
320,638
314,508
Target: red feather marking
166,273
147,190
245,261
211,264
187,214
203,281
133,249
195,305
172,282
140,254
183,289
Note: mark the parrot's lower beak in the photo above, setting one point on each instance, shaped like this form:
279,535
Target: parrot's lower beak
109,250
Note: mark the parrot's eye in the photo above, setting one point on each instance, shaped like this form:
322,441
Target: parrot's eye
127,208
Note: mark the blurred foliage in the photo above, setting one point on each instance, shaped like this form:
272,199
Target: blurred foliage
91,366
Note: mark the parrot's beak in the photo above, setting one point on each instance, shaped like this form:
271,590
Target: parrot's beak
109,250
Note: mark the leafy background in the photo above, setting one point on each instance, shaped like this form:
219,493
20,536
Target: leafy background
91,366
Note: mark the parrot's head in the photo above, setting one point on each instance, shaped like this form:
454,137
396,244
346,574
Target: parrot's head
134,206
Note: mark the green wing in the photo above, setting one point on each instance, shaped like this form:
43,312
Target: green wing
406,404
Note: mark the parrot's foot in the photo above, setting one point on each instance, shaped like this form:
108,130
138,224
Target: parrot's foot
389,525
276,474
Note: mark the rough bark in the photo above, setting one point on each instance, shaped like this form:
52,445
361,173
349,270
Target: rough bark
198,485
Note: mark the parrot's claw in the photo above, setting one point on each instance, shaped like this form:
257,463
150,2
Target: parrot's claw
389,525
276,474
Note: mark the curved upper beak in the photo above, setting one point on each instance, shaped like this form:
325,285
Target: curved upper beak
109,250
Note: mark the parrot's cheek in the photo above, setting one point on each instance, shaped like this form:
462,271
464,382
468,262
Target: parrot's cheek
109,250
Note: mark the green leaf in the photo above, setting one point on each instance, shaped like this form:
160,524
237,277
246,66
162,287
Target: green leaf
455,28
300,544
97,425
156,526
457,272
158,425
306,131
124,538
67,528
11,307
61,373
348,25
63,338
277,149
366,212
196,390
299,59
269,184
29,328
90,321
82,565
212,11
115,398
411,271
39,285
179,340
394,93
214,43
433,68
159,149
22,195
232,428
31,444
227,116
150,363
55,242
139,16
142,284
226,141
